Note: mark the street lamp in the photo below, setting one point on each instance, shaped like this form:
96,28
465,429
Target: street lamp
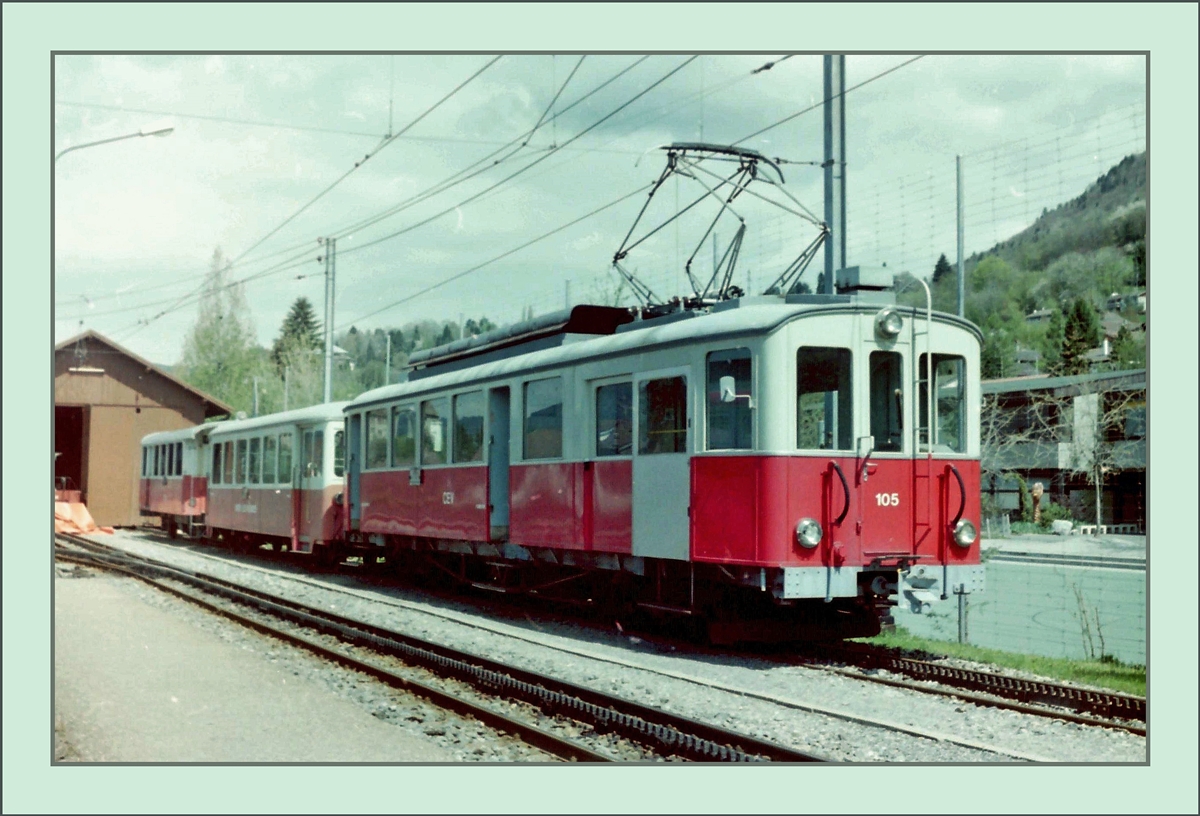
156,129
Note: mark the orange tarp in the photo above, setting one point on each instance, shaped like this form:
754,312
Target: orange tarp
73,517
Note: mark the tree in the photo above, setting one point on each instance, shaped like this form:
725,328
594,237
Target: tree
1052,344
300,330
942,268
1081,333
1128,351
220,354
1098,447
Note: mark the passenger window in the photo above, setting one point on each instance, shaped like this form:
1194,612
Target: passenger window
255,467
318,453
339,453
178,458
170,469
285,458
377,439
435,414
729,423
240,463
147,463
543,419
824,405
614,419
887,401
216,463
468,427
662,416
269,475
228,464
404,437
949,393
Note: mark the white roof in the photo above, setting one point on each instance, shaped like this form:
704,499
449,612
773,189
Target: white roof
752,316
324,412
182,435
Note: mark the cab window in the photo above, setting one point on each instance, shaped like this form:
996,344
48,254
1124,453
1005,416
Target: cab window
216,463
377,439
339,453
824,404
949,394
887,401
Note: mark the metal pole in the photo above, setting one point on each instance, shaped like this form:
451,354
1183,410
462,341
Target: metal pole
835,165
387,371
962,615
330,246
959,186
256,396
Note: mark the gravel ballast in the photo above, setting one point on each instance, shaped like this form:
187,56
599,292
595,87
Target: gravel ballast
806,708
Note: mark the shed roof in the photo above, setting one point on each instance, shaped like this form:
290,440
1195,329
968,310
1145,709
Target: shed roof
1040,382
212,405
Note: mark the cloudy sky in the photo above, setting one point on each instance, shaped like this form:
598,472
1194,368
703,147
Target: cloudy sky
258,138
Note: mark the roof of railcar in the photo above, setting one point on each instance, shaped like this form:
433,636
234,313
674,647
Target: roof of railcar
181,435
313,413
736,320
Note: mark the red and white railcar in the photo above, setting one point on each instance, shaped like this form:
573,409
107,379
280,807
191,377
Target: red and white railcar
277,480
765,464
173,484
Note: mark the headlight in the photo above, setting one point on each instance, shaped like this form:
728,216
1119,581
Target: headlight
888,323
964,533
808,533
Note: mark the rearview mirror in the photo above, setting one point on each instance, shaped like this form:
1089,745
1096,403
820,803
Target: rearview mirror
728,389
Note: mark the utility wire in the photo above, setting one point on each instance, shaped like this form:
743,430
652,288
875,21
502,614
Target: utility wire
501,256
226,119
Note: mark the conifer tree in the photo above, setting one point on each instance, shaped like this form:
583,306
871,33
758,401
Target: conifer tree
301,331
1081,333
942,268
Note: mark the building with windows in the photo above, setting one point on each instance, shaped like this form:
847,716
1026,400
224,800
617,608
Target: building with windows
1069,433
106,398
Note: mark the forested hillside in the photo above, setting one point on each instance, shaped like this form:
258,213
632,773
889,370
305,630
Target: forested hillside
1070,260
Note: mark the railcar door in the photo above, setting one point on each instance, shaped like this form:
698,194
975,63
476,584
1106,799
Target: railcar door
661,473
308,493
883,467
498,462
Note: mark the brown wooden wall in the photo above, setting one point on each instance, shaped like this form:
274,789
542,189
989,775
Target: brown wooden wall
125,402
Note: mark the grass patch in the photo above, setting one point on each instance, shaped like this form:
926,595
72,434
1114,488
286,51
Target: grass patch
1107,672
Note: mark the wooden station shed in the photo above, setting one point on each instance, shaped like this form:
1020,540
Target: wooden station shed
106,398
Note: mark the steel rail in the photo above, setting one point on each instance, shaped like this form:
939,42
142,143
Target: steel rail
1017,692
662,731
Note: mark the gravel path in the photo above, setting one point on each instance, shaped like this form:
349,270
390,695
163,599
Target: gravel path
809,709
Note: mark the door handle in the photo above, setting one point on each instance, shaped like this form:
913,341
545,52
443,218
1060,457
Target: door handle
962,496
845,490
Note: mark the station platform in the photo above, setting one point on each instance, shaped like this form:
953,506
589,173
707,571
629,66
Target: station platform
1117,546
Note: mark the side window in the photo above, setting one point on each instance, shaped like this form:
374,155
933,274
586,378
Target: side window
255,460
824,405
339,453
145,460
285,457
216,463
887,401
729,423
170,469
468,427
543,419
318,454
228,464
377,439
269,475
949,394
434,425
404,437
662,415
178,458
614,419
239,471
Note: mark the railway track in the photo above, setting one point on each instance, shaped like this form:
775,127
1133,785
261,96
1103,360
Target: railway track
661,733
1108,709
1035,697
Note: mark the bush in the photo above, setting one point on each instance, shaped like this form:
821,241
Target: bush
1052,512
